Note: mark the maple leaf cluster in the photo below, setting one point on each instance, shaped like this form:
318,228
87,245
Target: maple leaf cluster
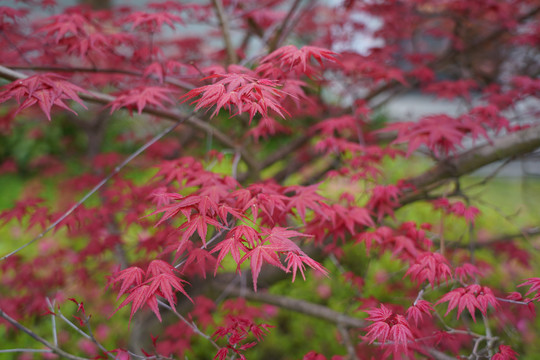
44,90
159,280
471,298
389,326
241,92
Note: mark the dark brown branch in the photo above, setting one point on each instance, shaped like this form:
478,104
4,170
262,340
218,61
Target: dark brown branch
225,29
175,82
514,144
524,233
277,38
280,154
285,150
38,338
318,311
301,306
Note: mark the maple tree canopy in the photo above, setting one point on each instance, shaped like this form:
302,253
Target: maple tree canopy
231,179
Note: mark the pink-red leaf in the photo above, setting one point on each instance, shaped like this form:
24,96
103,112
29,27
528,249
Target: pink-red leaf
140,97
132,276
258,256
45,90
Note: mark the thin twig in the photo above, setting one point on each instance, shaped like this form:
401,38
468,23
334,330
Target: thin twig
101,98
517,302
89,336
491,176
26,350
225,29
236,160
72,325
277,38
513,144
94,340
192,325
54,349
296,20
176,82
53,321
489,335
97,187
348,343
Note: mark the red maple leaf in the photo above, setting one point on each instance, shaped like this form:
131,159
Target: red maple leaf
132,276
432,267
139,296
534,284
185,205
258,256
45,90
242,92
140,97
165,285
237,240
267,126
73,23
305,197
155,69
21,209
291,58
418,310
457,208
471,298
161,280
505,353
201,259
200,224
296,261
383,200
11,13
466,271
388,326
152,22
157,267
280,238
451,89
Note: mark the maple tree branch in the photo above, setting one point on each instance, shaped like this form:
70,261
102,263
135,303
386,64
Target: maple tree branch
315,310
449,56
38,338
191,325
280,154
286,149
277,38
106,99
439,355
524,233
89,336
225,29
513,144
300,306
179,83
97,187
478,45
351,351
25,350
